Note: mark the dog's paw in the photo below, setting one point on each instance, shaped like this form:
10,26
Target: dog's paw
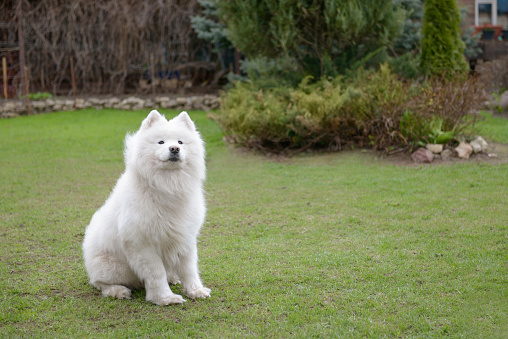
117,291
167,300
200,292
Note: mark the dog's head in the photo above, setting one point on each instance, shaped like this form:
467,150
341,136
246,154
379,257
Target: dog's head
160,144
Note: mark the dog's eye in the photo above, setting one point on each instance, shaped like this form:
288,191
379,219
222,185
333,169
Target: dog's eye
180,142
161,142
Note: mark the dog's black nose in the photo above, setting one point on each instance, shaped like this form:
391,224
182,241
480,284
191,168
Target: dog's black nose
174,149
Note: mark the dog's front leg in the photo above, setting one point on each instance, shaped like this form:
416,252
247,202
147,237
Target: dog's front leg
149,268
192,285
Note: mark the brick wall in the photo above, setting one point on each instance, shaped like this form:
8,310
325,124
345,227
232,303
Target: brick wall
469,4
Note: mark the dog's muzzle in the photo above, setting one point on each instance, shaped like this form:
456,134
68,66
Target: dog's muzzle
174,153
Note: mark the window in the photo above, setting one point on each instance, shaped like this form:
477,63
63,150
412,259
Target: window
493,12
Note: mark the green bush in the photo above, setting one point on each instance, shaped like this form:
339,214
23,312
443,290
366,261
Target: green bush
277,72
283,118
322,37
38,96
406,65
256,117
370,109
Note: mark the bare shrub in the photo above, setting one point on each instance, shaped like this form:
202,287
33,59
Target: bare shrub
110,41
494,74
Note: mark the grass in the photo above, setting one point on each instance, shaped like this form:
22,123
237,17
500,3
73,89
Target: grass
495,128
344,245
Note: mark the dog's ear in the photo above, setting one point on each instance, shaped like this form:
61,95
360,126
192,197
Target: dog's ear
186,120
152,117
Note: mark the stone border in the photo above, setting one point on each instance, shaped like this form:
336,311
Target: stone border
13,108
463,151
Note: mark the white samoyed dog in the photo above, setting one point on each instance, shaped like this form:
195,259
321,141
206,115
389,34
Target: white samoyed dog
145,235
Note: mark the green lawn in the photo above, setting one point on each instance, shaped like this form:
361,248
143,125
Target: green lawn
495,128
343,245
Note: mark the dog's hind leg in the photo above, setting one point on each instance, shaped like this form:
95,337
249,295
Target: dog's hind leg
115,291
111,276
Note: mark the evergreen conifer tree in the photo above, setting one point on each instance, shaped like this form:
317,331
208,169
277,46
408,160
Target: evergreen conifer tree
209,28
442,47
410,38
324,37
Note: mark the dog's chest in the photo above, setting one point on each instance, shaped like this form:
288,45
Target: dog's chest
173,220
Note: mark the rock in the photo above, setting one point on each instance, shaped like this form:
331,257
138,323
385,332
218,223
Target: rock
503,101
161,100
422,155
68,105
96,102
464,150
132,102
12,106
435,148
149,103
169,104
138,107
50,103
446,154
39,106
7,106
81,103
479,145
112,102
181,101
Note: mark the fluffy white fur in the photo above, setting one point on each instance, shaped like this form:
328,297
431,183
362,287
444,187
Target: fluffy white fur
145,235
